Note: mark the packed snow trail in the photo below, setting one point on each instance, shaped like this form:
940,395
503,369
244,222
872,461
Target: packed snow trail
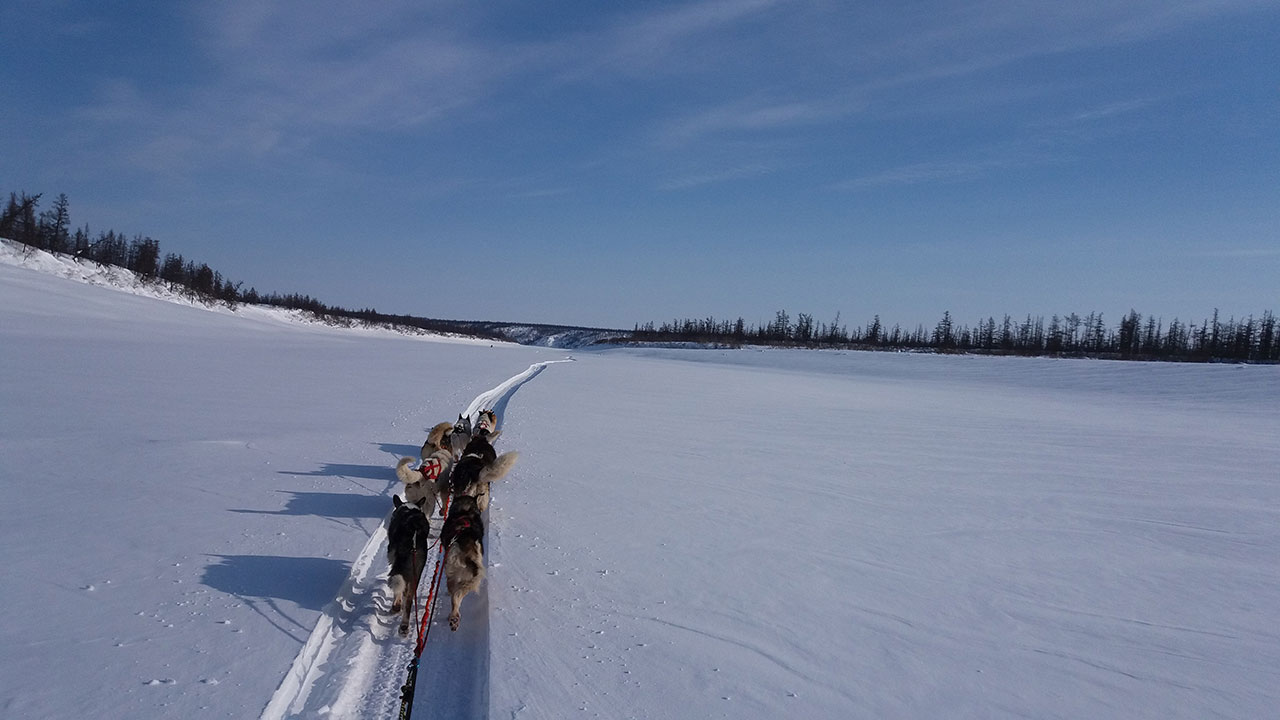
355,661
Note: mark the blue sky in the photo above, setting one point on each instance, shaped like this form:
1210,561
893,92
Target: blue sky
611,163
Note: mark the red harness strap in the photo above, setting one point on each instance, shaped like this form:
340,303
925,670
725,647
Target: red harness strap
431,468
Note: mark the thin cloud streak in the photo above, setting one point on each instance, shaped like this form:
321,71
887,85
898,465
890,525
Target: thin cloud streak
981,40
1239,253
1008,156
743,172
924,172
747,116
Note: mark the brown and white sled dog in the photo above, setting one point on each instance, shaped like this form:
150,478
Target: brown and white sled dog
487,425
424,482
407,544
436,439
463,540
479,466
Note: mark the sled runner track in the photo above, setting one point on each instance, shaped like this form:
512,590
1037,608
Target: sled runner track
497,398
354,662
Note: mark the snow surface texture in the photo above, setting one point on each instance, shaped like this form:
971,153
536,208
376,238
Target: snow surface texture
192,495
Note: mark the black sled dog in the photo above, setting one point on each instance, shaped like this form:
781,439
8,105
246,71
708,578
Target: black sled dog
463,540
407,541
479,466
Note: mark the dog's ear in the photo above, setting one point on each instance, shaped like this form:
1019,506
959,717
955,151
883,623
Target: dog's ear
396,499
421,502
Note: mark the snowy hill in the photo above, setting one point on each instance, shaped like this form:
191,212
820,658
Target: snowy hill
62,265
556,336
194,498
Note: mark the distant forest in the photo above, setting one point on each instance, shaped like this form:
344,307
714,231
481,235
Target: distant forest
1135,337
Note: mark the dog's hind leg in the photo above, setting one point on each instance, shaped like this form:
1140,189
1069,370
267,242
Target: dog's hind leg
455,616
411,586
458,589
396,584
403,601
463,587
410,596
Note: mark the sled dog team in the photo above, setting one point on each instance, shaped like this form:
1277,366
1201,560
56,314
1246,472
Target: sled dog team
457,463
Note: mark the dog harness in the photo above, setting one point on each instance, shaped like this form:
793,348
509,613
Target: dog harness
431,468
454,528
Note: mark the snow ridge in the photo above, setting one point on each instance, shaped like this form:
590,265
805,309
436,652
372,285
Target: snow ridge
354,661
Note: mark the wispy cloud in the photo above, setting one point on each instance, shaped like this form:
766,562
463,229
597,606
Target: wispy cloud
655,42
747,115
1107,111
542,193
330,66
284,75
280,76
741,172
881,56
974,165
1241,253
924,172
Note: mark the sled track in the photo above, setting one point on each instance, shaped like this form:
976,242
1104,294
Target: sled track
354,662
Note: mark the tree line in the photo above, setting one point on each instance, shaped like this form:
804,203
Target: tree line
1134,337
1250,339
51,230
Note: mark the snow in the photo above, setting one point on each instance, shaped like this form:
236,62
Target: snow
195,500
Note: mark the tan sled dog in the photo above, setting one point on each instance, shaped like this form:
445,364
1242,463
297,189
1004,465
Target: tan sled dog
436,439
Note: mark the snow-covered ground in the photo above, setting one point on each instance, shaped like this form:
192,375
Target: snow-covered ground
194,500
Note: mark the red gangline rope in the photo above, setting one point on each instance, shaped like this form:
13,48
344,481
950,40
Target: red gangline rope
424,628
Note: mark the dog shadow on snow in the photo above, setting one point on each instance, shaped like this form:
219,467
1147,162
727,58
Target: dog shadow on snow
399,450
357,511
355,506
263,582
349,470
385,473
331,505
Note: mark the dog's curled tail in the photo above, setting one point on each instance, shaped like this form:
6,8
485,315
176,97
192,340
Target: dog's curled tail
406,475
499,467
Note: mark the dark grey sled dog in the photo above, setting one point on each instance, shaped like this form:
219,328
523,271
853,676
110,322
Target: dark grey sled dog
407,541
